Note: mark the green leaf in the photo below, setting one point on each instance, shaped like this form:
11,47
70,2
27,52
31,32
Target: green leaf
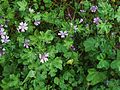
47,36
117,15
104,28
22,4
67,75
118,54
70,62
60,47
95,77
116,63
89,44
48,3
57,63
103,64
56,80
31,74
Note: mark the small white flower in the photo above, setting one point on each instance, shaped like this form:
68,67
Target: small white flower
22,27
63,34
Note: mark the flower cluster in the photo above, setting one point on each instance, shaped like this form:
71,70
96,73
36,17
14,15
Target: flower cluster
92,9
4,37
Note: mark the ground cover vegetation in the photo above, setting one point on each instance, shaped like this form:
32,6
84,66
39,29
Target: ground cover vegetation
59,45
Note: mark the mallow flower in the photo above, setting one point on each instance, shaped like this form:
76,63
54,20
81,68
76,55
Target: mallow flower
2,32
37,22
22,27
26,43
5,39
62,34
43,57
96,20
93,8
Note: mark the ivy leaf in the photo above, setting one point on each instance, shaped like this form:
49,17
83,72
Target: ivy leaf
22,4
95,77
89,44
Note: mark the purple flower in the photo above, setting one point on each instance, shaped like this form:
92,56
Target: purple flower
2,51
43,57
81,20
82,11
63,34
22,27
93,8
37,22
5,39
26,43
96,20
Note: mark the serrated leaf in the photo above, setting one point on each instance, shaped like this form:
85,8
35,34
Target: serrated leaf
103,64
56,80
89,44
95,77
22,4
57,63
117,15
116,63
30,75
